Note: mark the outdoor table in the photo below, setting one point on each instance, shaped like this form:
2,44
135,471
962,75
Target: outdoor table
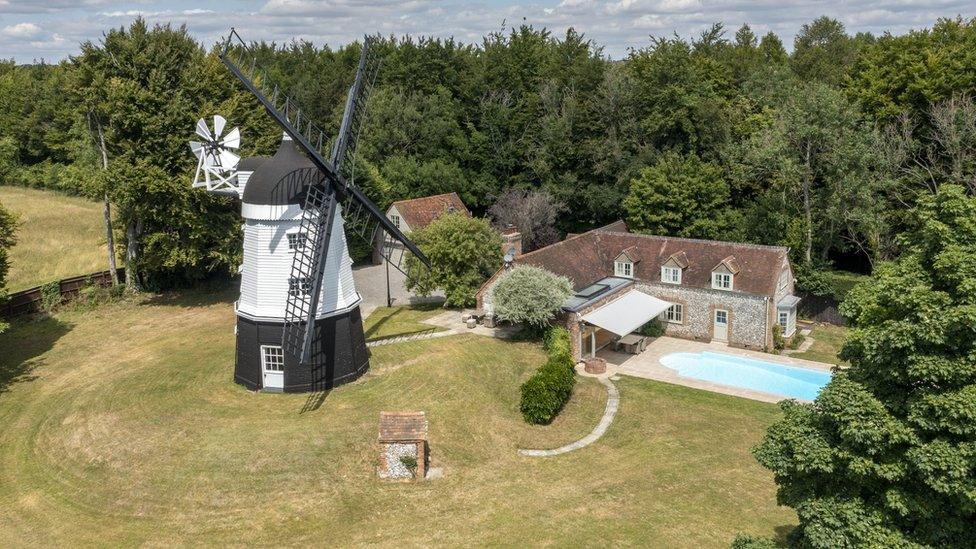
631,343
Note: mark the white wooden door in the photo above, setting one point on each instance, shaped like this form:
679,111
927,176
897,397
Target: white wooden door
721,329
273,366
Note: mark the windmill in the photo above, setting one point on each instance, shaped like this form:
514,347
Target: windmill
216,164
299,327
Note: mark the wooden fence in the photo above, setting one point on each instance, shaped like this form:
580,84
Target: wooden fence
820,308
30,301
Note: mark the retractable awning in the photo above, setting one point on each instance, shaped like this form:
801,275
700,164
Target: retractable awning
624,315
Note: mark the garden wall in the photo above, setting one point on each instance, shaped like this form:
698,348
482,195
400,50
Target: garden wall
30,301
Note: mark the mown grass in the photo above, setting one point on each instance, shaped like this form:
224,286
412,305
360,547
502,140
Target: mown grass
827,342
123,427
58,237
386,322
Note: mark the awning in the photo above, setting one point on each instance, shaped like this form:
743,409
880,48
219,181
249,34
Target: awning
788,302
624,315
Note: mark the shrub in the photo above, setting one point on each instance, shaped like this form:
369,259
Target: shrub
50,296
778,342
530,295
751,542
797,340
410,462
546,392
653,328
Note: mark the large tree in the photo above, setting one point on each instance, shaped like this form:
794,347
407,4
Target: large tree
8,226
680,196
463,252
529,295
532,212
886,455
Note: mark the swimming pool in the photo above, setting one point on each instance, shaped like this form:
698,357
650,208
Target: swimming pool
749,373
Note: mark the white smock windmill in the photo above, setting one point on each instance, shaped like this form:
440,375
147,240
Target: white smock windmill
216,163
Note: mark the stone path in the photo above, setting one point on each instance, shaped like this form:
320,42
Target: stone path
411,337
613,402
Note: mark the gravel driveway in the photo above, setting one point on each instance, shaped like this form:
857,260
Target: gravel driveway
371,283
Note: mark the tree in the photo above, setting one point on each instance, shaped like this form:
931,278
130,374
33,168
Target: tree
822,51
533,213
679,196
463,253
8,225
529,295
886,455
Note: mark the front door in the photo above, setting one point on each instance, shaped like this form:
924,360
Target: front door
721,330
273,366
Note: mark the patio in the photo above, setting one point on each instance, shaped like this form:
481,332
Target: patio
647,365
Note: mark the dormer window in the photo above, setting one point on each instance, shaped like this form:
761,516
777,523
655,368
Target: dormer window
623,268
722,281
623,264
671,275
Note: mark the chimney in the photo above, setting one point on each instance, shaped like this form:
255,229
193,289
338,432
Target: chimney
511,241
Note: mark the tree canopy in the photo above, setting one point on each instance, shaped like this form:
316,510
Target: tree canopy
463,253
529,295
886,455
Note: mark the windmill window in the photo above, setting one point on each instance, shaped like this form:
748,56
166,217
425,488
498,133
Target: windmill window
272,358
297,241
299,286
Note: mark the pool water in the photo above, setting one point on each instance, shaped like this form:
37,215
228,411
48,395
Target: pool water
749,373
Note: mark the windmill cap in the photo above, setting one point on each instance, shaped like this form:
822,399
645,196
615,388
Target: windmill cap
281,179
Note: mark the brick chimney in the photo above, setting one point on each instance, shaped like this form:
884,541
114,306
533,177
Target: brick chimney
511,240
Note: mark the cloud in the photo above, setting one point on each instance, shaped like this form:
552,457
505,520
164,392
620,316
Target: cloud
21,30
615,24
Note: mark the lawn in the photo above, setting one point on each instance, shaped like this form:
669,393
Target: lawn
828,340
58,237
121,426
385,322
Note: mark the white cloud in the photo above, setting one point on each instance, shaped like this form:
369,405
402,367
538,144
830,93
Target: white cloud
615,24
21,30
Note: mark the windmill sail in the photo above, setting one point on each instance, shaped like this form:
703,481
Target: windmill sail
323,197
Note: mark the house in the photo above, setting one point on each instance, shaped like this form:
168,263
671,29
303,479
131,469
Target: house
700,289
415,214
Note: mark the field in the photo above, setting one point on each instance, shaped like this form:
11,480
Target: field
121,426
58,237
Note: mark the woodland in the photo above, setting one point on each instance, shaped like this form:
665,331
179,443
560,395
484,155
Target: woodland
822,147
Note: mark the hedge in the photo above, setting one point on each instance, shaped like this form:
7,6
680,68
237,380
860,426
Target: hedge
546,392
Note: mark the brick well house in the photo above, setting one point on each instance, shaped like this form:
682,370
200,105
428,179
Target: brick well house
702,289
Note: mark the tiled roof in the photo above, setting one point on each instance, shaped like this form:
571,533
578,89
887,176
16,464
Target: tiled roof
419,212
403,426
588,257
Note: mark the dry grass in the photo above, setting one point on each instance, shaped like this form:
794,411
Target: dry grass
125,429
58,237
385,322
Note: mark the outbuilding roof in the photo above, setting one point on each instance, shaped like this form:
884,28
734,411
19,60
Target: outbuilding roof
420,212
588,257
403,426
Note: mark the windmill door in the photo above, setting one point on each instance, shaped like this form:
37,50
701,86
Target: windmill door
273,366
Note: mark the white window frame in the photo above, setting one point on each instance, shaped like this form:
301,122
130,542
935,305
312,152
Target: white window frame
623,268
272,358
721,281
670,275
784,319
675,314
395,219
297,240
784,280
299,285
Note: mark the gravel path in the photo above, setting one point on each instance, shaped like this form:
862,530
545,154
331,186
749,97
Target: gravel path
613,402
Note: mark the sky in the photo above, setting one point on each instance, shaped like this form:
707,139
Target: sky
51,30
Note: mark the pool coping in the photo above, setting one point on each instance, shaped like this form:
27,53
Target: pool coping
647,365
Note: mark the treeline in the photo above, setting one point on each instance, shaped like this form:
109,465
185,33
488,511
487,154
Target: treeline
722,136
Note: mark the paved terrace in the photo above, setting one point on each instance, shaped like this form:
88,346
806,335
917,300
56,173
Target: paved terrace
647,365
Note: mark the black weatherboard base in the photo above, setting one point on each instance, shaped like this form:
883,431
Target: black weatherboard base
339,353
